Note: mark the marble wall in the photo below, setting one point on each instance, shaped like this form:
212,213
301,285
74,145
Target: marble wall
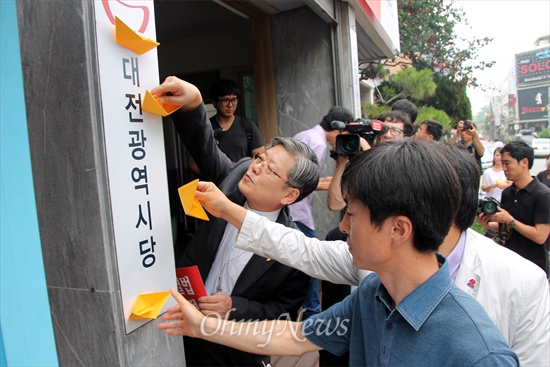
305,80
59,63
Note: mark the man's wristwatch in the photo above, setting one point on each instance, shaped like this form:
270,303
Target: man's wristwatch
512,224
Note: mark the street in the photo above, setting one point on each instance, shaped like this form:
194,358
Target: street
538,165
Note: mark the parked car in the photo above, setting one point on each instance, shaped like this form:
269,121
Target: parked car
526,135
541,146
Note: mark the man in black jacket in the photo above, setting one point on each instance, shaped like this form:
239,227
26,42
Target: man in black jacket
240,286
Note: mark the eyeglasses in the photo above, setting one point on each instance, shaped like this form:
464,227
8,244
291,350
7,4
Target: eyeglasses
261,160
226,101
394,131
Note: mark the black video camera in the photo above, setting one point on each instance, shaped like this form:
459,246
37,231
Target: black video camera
349,144
488,205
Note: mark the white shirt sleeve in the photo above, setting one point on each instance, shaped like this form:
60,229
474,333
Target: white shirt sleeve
325,260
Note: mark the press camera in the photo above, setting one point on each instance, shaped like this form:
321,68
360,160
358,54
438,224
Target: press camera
488,205
349,144
467,124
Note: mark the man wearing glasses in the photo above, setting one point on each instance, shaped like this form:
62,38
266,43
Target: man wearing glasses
241,286
237,136
398,125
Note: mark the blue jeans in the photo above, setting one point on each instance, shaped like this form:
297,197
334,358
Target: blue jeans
312,303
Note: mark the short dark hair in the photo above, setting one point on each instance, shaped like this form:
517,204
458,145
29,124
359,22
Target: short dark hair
468,173
304,176
433,127
399,116
407,107
223,87
377,176
519,150
336,113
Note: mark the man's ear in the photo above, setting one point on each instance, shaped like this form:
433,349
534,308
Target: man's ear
291,195
402,229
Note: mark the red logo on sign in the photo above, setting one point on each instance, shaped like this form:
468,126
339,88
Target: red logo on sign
535,66
144,23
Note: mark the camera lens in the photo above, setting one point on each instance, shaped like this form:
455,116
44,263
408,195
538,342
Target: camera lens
347,144
350,146
489,207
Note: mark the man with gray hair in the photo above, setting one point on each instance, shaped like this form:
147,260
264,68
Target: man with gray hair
240,285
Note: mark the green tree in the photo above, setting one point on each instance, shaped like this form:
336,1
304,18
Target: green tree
408,83
427,35
429,42
453,101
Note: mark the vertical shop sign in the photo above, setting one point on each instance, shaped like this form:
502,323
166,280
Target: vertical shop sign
135,157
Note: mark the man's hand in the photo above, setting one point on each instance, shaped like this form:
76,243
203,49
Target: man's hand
178,92
182,319
472,131
211,198
218,304
460,127
217,204
484,220
502,216
364,144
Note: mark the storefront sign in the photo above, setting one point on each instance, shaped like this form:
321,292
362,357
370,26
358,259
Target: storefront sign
533,103
533,67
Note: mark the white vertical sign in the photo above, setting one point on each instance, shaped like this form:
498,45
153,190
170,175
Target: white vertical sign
354,64
135,157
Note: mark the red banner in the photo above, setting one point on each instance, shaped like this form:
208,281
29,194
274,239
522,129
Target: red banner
190,284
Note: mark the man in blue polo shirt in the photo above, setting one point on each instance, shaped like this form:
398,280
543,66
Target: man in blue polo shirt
407,313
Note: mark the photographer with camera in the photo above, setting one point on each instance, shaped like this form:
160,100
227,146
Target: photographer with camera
395,126
302,211
525,210
467,131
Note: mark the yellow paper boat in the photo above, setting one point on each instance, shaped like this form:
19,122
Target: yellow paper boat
191,206
149,305
152,105
130,39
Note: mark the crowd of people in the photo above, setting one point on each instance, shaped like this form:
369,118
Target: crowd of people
421,287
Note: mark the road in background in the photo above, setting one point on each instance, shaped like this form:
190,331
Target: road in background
538,165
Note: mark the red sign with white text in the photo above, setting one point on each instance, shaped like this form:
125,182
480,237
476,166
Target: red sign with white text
190,284
533,67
